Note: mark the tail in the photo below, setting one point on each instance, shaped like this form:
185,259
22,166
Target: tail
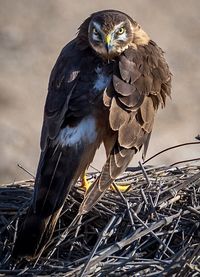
59,168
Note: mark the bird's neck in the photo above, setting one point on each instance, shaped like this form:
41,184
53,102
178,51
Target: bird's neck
140,37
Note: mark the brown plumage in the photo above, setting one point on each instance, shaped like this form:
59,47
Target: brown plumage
106,86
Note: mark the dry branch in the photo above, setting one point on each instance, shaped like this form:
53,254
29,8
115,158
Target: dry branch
151,230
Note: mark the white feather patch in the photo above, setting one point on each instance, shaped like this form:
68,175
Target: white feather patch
85,131
102,80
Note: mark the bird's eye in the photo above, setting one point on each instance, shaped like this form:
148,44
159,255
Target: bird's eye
120,31
94,30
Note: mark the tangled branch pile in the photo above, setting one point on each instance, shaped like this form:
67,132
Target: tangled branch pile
150,230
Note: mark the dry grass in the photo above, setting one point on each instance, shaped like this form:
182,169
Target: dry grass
151,230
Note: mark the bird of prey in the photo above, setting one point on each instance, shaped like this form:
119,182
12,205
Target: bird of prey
105,87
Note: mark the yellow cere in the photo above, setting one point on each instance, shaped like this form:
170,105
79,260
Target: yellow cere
108,39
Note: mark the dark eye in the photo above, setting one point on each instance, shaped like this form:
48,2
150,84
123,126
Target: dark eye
120,31
94,30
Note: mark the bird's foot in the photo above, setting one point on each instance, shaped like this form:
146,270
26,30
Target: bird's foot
121,186
85,183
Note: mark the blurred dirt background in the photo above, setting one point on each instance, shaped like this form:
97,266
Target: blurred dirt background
33,32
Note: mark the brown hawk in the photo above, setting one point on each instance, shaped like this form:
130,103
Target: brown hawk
106,86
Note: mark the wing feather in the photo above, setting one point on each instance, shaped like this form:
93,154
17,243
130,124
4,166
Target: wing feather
63,80
118,116
141,83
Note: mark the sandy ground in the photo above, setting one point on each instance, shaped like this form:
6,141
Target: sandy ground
32,34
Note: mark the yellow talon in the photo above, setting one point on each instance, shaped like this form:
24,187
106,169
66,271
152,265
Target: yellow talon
85,184
123,187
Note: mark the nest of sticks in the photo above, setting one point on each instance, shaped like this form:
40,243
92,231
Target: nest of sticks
153,229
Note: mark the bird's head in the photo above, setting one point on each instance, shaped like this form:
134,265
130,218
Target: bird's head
110,32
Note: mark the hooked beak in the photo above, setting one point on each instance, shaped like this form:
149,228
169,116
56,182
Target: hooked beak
108,44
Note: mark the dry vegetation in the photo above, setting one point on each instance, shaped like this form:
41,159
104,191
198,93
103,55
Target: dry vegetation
153,229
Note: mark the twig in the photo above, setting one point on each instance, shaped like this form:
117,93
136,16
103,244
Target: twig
127,241
101,237
127,204
185,161
144,173
170,148
26,170
153,234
